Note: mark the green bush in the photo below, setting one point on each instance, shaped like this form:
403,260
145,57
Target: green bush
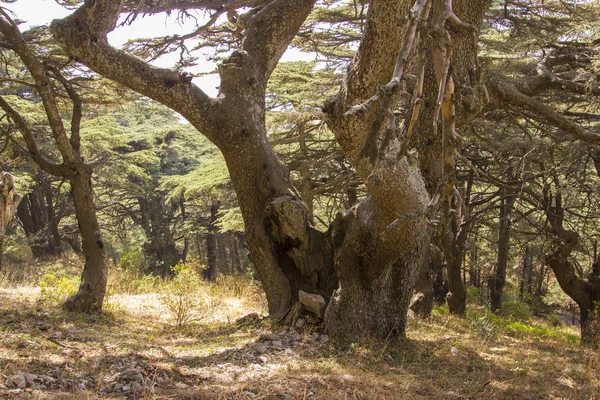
516,309
186,296
473,295
55,290
132,259
487,326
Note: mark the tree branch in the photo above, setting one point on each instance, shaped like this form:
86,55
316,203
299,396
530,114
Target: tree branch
44,85
83,35
270,31
33,151
507,92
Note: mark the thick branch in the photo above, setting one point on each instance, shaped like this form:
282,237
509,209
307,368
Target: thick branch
34,153
270,31
44,86
83,35
509,93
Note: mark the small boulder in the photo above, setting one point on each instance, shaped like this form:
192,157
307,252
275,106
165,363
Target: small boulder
262,349
247,319
278,344
313,302
131,375
30,378
270,336
18,381
300,323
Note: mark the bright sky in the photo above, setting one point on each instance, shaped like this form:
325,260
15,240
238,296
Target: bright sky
39,12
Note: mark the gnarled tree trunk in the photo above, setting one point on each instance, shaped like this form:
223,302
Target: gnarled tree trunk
90,296
9,201
93,281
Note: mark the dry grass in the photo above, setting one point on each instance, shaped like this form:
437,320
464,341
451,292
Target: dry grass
444,357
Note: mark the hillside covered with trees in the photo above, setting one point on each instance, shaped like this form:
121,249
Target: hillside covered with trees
375,199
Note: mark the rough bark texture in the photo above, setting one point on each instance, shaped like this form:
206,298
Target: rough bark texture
381,242
90,296
94,276
462,99
9,201
38,219
160,251
498,279
286,251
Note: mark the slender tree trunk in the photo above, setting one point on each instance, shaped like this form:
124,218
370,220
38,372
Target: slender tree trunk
210,273
423,304
498,279
236,262
92,289
474,267
526,281
222,259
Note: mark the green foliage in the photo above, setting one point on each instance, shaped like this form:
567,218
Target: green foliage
231,220
516,309
473,295
185,296
486,326
490,325
132,282
132,259
55,290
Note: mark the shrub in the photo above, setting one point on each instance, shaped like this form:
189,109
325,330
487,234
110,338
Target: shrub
473,295
55,290
132,259
186,297
516,309
132,282
486,326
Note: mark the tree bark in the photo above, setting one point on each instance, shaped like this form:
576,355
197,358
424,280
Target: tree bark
9,201
498,279
36,213
93,282
526,281
586,293
160,251
94,277
210,273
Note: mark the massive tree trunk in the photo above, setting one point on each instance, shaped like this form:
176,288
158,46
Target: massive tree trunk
9,201
94,277
380,242
38,219
446,98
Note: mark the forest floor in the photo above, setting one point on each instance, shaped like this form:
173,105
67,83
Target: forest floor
133,352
